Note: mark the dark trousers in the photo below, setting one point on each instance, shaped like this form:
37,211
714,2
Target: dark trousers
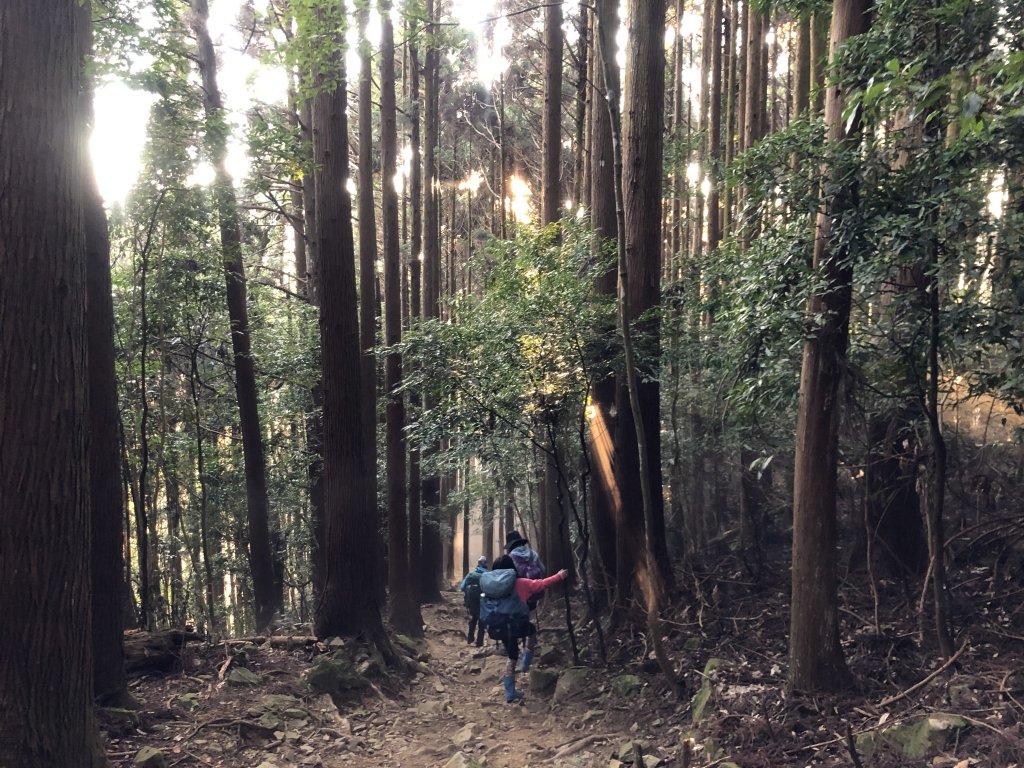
475,627
512,642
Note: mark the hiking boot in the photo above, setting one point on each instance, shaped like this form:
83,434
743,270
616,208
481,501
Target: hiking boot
524,661
511,694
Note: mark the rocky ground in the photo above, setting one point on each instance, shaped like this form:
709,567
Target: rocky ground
259,706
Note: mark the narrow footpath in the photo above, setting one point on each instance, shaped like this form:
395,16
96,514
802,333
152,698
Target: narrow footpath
250,707
458,713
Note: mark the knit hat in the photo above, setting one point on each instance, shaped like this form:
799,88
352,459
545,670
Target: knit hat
482,560
513,540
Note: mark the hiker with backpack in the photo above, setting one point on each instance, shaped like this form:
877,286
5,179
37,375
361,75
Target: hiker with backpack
503,609
527,562
470,588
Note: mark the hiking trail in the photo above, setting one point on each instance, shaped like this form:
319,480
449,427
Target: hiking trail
450,715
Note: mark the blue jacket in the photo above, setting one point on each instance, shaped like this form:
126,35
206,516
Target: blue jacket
478,569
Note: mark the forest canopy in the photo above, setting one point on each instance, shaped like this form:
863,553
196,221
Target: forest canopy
690,293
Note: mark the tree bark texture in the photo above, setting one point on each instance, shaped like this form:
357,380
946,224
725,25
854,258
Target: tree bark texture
643,152
403,609
431,487
551,128
46,665
605,499
266,591
802,68
368,256
105,499
815,655
552,516
347,605
415,301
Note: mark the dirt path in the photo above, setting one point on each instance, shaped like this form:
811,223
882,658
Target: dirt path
461,708
453,715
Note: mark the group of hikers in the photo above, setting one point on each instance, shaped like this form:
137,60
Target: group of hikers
500,600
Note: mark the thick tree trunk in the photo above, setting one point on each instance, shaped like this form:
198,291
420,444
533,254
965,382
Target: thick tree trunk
552,529
643,152
267,593
815,655
105,498
46,666
403,609
645,67
347,605
551,127
314,416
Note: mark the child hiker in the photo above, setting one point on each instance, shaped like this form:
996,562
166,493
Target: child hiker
504,610
470,587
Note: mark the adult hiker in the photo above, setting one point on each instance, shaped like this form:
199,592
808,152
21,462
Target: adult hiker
527,561
503,608
470,587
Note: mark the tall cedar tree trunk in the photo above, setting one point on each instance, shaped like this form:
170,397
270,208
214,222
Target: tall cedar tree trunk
403,609
643,156
679,169
415,297
267,589
819,59
46,665
301,200
605,497
645,64
314,416
802,68
554,536
106,503
347,605
430,575
815,655
581,168
368,267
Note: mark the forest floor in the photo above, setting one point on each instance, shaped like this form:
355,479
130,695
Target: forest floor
735,710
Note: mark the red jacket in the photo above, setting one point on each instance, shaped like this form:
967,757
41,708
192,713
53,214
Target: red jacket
527,587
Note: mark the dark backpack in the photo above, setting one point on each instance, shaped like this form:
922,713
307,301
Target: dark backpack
471,591
501,610
528,565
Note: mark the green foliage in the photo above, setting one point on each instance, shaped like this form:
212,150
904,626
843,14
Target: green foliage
523,351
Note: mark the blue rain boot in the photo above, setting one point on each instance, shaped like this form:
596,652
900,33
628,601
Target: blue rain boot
511,694
524,661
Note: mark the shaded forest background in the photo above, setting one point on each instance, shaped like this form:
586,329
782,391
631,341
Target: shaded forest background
767,293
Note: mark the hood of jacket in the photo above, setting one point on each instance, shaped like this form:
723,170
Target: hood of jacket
524,552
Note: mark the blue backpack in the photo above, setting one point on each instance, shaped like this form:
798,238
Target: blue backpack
501,611
471,591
